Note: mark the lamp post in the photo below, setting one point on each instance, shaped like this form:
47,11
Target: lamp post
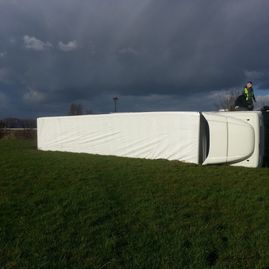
115,99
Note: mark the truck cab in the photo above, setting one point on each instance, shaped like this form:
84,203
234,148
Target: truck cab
235,138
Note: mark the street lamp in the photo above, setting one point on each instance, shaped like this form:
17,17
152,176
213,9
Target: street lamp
115,99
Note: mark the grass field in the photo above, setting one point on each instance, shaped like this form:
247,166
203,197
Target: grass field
62,210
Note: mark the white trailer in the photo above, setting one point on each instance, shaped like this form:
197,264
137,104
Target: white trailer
200,138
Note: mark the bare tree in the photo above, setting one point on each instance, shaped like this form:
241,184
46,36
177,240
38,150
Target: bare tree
75,109
227,100
263,102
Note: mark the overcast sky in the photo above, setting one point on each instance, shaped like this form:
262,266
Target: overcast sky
154,54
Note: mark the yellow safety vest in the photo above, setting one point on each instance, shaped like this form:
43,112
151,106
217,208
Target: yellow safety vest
248,95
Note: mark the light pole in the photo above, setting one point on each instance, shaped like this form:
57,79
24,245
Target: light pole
115,99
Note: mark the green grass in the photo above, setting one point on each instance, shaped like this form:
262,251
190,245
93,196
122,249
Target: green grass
63,210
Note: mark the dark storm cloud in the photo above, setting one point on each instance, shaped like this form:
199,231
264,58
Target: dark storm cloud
154,54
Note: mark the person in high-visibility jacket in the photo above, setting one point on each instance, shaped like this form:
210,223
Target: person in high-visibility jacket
249,95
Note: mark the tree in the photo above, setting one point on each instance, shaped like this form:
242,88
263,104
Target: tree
263,102
75,109
227,100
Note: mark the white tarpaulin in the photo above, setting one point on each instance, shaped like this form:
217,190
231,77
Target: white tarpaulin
152,135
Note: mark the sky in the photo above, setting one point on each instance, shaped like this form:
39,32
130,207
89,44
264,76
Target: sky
155,55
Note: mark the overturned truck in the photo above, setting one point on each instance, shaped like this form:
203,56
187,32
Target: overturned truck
235,138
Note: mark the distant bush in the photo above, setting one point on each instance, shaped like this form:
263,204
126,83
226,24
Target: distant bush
26,133
29,133
2,126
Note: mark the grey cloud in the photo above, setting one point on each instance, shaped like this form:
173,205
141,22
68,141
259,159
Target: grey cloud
69,46
3,54
3,74
3,100
33,96
162,54
31,42
129,51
